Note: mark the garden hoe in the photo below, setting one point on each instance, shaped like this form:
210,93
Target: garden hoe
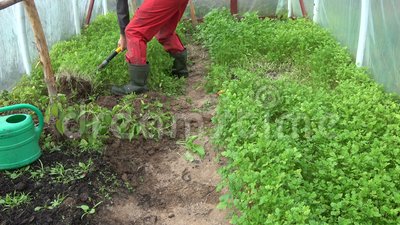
109,58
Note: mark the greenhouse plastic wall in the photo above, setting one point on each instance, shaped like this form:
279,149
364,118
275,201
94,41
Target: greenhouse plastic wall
342,18
58,24
309,7
204,6
263,7
382,44
382,54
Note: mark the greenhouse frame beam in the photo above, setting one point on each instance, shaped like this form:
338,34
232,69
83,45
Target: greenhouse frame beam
7,3
234,7
22,39
290,9
303,8
105,7
77,22
193,13
316,11
362,38
89,12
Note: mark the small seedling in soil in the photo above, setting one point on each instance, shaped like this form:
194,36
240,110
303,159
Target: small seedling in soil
207,105
17,173
129,186
191,146
58,173
59,199
50,145
14,200
65,176
189,100
104,192
92,144
87,210
189,156
196,110
39,173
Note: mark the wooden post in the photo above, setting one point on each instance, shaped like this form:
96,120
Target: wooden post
7,3
193,13
41,45
234,7
89,13
303,9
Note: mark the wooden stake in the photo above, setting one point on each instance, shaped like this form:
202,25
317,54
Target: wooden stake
193,13
303,9
89,12
41,45
7,3
234,7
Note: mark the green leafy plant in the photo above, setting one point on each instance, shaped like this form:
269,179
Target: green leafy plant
50,145
189,156
39,173
60,174
193,147
309,137
87,210
15,174
58,200
14,200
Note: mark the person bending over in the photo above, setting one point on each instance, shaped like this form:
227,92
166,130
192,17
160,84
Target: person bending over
157,18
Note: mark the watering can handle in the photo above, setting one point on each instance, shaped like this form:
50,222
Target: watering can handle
39,128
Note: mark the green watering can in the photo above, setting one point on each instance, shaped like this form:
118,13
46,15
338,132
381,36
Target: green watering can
19,138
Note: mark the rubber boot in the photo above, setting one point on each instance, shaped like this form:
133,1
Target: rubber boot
138,84
179,67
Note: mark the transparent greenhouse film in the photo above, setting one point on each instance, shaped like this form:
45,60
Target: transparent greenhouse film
342,18
9,58
382,54
57,26
203,7
263,7
309,8
282,8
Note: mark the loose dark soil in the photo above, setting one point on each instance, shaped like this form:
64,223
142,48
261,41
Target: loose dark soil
85,191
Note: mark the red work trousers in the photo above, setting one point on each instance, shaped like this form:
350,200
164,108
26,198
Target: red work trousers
154,18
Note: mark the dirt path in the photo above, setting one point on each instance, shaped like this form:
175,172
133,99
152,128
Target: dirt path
167,188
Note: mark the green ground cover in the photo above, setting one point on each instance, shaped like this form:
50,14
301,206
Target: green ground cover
309,137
